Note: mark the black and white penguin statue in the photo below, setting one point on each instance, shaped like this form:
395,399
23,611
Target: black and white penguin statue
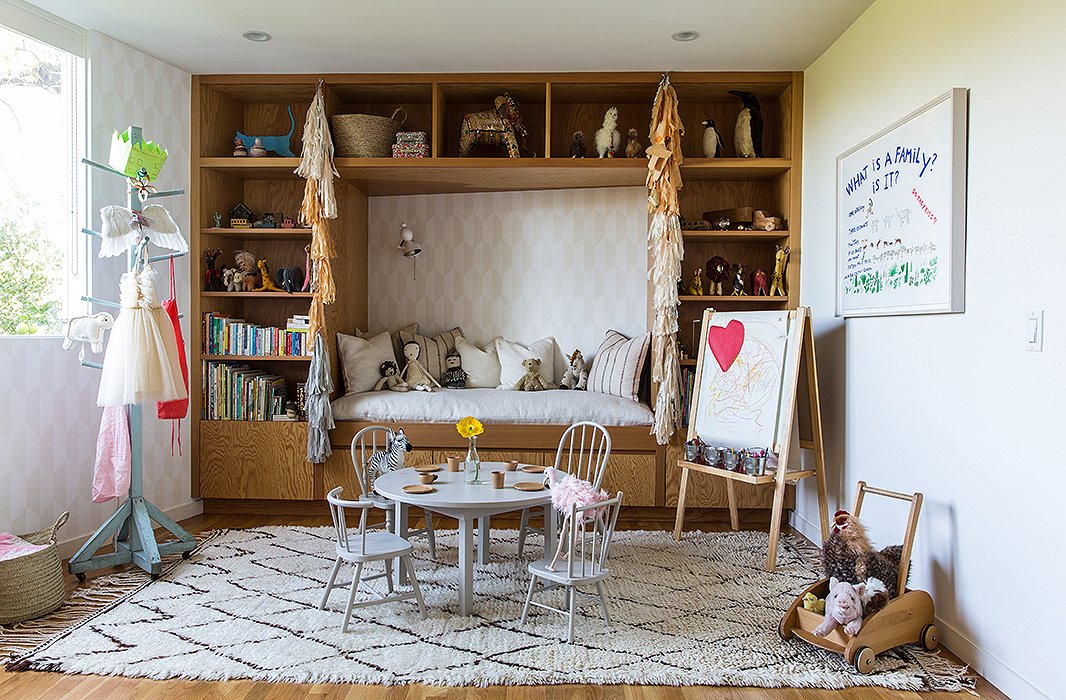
712,140
748,135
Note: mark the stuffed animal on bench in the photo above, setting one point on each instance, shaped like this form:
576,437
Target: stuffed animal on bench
88,329
577,375
531,380
843,606
390,378
848,555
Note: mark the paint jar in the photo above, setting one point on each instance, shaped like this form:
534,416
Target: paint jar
729,460
760,465
747,465
710,455
692,452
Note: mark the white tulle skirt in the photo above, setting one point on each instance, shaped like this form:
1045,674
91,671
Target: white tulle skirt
141,363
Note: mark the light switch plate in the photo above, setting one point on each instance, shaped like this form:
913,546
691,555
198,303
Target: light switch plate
1034,330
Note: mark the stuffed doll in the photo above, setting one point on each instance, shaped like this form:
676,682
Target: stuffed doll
577,375
849,556
843,606
267,284
414,374
390,378
531,380
454,376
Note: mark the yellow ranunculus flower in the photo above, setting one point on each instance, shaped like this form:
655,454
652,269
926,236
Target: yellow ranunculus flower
469,427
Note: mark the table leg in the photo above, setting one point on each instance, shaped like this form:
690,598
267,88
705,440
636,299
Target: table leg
466,565
551,537
400,528
483,539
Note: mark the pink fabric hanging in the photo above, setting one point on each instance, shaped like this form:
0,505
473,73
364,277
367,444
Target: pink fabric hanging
178,408
111,473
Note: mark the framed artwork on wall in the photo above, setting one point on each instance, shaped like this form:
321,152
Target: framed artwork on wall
901,215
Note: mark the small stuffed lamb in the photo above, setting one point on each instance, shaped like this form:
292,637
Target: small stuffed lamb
577,375
608,140
531,380
88,329
843,606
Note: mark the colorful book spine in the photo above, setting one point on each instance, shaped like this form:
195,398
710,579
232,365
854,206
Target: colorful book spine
238,392
234,336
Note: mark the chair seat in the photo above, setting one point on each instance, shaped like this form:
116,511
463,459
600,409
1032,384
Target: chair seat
540,568
379,545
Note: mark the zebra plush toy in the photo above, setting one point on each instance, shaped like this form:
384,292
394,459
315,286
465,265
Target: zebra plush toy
392,457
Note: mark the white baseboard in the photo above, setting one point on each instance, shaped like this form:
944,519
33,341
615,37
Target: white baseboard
812,531
67,548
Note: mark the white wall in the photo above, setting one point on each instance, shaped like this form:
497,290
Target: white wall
952,405
48,415
524,265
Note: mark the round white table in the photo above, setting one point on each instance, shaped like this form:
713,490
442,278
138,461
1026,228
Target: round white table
468,502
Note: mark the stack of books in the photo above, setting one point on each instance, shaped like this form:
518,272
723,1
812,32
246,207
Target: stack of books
688,386
238,392
234,336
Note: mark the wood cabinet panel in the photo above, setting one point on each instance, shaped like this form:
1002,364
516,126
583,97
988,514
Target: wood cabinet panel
634,475
241,459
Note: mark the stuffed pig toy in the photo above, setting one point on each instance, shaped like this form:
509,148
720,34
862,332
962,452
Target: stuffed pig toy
843,606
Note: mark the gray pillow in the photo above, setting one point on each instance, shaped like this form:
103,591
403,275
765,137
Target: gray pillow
397,344
361,360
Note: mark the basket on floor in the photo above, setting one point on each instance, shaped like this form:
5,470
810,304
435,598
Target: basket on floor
365,135
32,585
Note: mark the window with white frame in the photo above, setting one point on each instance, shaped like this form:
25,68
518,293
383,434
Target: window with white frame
42,251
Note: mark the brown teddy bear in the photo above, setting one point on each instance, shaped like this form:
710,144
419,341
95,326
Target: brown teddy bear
531,380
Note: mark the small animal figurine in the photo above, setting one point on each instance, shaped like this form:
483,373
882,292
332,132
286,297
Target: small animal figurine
759,283
239,149
278,144
246,263
238,281
390,378
500,126
814,603
531,380
712,140
747,136
392,458
414,373
577,375
212,277
290,279
762,222
88,329
695,287
267,281
227,278
291,411
607,137
453,376
577,146
717,271
257,150
633,147
218,220
287,222
266,222
843,606
777,282
723,223
738,281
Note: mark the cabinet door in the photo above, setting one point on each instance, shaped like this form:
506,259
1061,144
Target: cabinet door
240,459
634,475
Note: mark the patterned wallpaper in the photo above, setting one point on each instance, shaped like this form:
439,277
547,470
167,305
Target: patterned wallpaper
567,263
48,418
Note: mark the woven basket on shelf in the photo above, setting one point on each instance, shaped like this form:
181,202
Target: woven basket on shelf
365,135
32,585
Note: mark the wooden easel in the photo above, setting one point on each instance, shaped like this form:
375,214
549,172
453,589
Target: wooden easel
781,477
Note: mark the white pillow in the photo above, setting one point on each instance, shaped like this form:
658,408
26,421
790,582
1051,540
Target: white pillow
432,350
512,355
397,344
482,367
617,366
361,360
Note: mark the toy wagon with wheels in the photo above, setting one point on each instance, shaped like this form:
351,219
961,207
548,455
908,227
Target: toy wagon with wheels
907,619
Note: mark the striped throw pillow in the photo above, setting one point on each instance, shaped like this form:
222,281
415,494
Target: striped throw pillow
433,350
617,366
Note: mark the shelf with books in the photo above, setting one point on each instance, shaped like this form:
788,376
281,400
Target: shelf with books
239,392
225,335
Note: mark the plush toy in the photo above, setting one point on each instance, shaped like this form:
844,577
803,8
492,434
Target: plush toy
608,139
238,281
695,287
843,606
500,126
814,603
633,147
390,378
531,380
568,491
577,375
738,280
88,329
290,279
212,277
227,279
414,374
577,146
454,376
849,556
267,285
717,271
246,264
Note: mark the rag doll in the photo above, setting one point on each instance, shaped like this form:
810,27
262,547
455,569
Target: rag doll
531,380
577,375
843,606
849,556
569,491
390,378
454,376
414,373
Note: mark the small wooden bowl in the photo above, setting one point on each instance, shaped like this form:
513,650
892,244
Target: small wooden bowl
512,465
427,477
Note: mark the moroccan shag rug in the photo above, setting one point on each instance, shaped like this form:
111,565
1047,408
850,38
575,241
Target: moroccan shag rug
699,612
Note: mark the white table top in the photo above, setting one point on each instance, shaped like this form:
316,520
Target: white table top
453,493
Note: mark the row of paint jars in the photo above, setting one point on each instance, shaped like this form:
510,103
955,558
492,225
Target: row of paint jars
751,461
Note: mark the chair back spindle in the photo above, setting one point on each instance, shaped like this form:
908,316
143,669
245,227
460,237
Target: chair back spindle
366,442
583,451
590,533
337,506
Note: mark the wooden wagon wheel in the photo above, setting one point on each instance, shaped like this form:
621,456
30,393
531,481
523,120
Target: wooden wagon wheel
864,661
930,637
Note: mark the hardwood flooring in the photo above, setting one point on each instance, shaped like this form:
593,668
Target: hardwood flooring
33,685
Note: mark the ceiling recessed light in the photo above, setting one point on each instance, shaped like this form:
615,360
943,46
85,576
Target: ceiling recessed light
256,35
685,35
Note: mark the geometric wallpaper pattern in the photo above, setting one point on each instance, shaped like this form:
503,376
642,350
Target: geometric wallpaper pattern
48,414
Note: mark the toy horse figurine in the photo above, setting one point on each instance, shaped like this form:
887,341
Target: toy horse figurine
500,126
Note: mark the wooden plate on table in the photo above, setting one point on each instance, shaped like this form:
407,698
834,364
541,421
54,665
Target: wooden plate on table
533,469
427,468
530,486
418,488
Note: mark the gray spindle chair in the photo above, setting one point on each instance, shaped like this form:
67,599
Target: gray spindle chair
587,447
363,547
365,443
590,530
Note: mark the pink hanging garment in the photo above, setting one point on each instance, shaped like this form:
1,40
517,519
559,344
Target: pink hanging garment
178,408
111,474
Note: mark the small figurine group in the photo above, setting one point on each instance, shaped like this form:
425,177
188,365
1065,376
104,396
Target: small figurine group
608,140
747,135
718,270
256,151
250,275
241,216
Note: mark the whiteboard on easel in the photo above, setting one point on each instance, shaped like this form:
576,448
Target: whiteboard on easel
742,399
901,215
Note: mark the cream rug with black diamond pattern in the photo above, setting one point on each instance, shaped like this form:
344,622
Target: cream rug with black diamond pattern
699,612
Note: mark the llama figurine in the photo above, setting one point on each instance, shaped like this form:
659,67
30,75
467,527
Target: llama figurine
608,140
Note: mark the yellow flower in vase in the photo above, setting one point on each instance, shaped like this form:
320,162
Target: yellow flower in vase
470,427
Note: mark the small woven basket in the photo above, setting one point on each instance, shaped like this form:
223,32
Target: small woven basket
32,585
365,135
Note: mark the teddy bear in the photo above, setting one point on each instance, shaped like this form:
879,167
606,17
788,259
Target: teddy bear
531,380
577,376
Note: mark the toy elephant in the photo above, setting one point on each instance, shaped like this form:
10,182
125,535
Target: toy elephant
88,329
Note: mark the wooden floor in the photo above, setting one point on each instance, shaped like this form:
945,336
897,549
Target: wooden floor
32,685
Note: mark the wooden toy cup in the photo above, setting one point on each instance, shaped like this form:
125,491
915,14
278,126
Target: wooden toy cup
512,465
453,464
427,478
497,480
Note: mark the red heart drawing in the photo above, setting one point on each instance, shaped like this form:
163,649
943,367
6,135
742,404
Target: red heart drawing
725,343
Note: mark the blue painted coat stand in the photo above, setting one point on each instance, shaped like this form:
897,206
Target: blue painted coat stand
130,526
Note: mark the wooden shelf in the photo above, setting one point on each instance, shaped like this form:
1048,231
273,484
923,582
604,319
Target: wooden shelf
707,298
261,234
272,358
688,363
734,168
258,295
733,236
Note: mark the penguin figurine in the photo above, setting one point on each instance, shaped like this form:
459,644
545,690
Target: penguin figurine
712,140
748,134
577,146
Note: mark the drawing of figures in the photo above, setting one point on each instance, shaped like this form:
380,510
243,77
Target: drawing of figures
904,216
888,220
874,224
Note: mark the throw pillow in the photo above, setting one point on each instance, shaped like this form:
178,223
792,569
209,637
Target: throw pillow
617,366
397,344
482,367
512,354
433,350
361,360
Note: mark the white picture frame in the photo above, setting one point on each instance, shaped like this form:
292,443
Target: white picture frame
901,215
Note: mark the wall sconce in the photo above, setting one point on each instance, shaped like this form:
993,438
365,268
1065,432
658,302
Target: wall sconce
410,248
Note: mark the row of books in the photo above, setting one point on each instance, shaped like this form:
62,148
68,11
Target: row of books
688,386
238,392
224,335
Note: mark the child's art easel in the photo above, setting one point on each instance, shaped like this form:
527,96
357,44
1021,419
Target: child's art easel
131,524
799,353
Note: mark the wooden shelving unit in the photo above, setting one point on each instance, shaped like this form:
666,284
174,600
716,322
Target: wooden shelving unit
260,358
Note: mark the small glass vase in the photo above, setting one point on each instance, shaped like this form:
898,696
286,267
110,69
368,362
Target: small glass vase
472,464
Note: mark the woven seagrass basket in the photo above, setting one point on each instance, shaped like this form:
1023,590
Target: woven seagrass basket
365,135
32,585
